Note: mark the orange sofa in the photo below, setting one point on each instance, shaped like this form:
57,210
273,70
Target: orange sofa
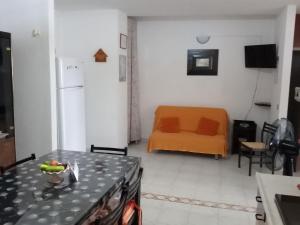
187,139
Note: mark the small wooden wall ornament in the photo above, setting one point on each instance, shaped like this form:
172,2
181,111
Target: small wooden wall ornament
100,56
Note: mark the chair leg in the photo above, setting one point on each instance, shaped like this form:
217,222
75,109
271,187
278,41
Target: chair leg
273,166
261,160
92,148
33,157
250,165
239,163
295,164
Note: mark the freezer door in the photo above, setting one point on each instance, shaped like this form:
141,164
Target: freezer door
72,119
69,73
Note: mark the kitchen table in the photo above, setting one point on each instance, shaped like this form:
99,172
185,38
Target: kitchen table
26,198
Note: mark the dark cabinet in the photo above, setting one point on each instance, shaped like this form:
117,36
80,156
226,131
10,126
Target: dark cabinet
7,144
243,130
6,86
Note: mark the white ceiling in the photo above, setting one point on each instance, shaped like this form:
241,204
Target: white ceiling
178,8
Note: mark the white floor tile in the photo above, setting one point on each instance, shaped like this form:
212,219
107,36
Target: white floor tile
199,177
174,214
228,217
203,216
151,210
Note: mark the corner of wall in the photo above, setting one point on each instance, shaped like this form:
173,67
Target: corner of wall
32,73
285,37
51,21
106,97
123,105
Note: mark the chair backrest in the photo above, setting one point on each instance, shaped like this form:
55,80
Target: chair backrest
289,148
115,216
268,133
134,187
31,157
114,151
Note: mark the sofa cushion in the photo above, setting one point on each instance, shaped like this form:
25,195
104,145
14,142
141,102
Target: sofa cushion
187,139
189,117
169,124
208,127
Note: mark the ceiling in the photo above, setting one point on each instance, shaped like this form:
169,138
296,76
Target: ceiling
182,8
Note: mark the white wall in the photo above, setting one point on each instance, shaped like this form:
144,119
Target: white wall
33,60
122,87
80,34
285,25
162,54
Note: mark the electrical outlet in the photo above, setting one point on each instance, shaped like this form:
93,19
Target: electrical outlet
36,33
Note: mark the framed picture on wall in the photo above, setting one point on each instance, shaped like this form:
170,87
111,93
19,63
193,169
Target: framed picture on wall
123,41
202,62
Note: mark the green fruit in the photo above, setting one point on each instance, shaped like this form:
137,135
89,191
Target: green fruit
48,168
43,167
55,168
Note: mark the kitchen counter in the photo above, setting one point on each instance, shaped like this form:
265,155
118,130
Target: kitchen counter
268,186
27,198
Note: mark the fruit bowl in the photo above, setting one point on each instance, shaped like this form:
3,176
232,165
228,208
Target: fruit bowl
54,171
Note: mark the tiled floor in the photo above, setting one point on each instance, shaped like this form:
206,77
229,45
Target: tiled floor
192,177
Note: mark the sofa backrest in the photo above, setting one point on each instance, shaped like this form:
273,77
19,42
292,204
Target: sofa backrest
189,117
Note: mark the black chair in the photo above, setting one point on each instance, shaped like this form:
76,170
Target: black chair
290,150
134,188
116,215
114,151
258,149
134,194
3,169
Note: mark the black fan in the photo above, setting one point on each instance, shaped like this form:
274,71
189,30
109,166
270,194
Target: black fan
283,147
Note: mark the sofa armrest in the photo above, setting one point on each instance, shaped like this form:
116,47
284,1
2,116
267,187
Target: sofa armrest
226,133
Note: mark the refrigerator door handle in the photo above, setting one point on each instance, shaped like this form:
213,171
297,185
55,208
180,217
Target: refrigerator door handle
78,86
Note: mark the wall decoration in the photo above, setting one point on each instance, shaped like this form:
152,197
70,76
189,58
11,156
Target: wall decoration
202,39
122,68
123,41
202,62
100,56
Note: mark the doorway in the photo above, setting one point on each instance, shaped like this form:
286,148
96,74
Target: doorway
294,104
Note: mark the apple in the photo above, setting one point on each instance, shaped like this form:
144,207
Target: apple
54,163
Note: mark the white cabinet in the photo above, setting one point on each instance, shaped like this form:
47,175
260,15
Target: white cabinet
268,186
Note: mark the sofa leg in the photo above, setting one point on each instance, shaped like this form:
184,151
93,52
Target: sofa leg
216,156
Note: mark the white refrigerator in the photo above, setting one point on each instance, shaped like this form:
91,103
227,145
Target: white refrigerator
71,106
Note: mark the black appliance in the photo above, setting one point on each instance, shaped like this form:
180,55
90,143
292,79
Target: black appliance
243,130
284,148
289,208
294,106
261,56
290,151
6,86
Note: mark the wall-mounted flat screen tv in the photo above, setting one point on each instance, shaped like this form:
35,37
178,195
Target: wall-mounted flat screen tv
261,56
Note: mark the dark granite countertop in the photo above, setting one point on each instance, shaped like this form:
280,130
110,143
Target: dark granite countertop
26,198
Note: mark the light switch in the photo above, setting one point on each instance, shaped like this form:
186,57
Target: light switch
36,33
